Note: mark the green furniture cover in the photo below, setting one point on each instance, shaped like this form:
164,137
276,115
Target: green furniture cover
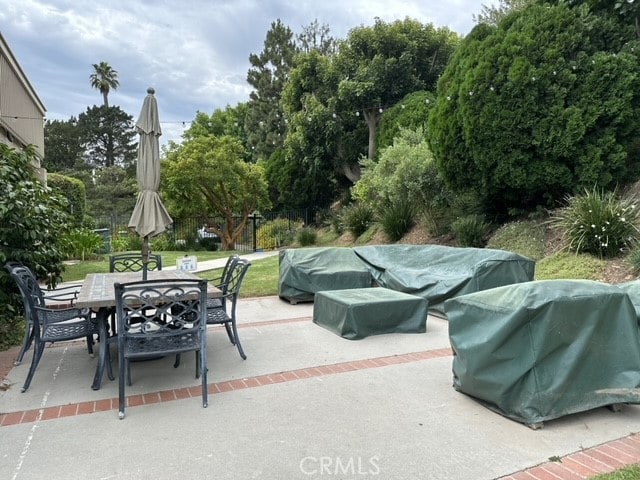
632,289
438,272
361,312
540,350
305,271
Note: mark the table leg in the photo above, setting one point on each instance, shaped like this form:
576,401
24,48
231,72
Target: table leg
102,317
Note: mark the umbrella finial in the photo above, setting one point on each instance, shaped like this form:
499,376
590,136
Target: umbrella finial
151,90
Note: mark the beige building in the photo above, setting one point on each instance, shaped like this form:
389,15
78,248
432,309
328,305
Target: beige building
21,111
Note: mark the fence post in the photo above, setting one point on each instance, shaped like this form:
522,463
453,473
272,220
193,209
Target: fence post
255,233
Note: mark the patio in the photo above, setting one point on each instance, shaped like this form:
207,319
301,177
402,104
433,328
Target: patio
305,404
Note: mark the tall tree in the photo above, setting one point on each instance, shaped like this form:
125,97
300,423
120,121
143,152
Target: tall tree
104,78
62,145
379,65
207,175
264,122
108,137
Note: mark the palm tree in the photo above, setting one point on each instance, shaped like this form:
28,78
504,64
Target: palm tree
104,78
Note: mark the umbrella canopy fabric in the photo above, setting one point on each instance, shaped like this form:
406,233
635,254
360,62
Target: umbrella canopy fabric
149,216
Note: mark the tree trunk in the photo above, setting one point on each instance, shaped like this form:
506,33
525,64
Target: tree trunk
372,117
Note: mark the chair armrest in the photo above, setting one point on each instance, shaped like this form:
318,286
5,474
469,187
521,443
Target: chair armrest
68,293
57,315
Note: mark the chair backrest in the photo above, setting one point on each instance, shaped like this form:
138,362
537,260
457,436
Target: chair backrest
28,285
234,281
226,271
170,314
132,262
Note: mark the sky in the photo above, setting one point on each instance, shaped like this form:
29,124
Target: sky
194,53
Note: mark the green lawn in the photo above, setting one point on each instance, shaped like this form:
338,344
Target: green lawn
632,472
261,278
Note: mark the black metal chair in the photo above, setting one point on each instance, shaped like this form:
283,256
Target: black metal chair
157,318
225,314
48,323
66,296
132,262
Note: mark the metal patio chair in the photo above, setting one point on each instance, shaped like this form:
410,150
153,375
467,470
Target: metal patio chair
157,318
48,323
225,314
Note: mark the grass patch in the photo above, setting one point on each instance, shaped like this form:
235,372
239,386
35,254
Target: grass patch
525,238
631,472
260,280
570,266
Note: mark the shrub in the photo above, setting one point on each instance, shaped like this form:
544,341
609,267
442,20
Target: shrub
74,191
598,222
307,236
33,220
162,243
470,230
397,218
120,243
537,106
277,233
356,218
81,243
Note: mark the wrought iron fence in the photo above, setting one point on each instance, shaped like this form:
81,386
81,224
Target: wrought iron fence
263,231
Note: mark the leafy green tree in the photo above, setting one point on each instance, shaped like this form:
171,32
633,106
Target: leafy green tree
62,145
104,79
319,143
112,192
108,137
207,175
379,65
264,122
229,121
537,107
32,219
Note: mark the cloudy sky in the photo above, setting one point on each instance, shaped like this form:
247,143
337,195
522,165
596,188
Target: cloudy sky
195,53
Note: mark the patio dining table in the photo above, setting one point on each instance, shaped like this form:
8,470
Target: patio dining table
97,293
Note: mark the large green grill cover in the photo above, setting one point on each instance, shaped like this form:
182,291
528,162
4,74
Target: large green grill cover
305,271
438,272
540,350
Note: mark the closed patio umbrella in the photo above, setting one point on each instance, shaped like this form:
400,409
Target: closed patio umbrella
149,216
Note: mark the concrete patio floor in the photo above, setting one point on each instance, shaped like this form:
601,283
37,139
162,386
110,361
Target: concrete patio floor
306,404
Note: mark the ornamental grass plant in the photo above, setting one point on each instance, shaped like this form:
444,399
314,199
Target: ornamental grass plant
598,222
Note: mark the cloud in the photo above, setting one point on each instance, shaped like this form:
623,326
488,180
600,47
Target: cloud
194,53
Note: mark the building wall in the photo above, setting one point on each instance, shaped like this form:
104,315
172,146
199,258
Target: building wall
21,111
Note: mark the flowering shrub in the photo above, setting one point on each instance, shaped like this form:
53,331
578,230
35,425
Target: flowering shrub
598,222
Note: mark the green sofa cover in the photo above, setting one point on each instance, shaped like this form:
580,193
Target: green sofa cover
438,272
305,271
540,350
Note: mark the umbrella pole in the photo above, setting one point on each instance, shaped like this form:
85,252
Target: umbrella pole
145,257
